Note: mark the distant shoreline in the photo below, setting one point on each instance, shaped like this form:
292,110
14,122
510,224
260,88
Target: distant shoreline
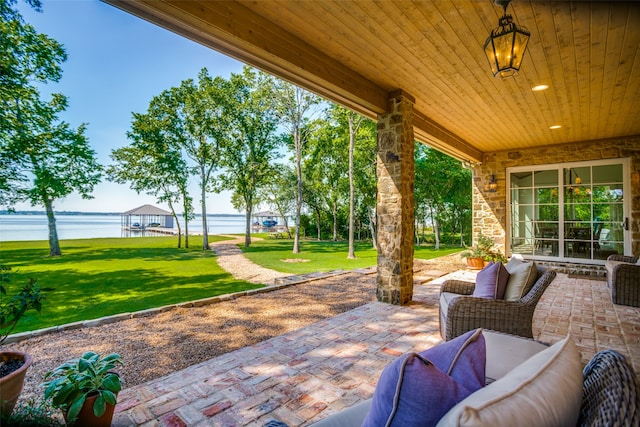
6,212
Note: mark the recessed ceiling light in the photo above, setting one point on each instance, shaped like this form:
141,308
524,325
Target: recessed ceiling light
555,127
538,88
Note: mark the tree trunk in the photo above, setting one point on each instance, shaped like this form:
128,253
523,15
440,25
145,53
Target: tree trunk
372,226
335,221
185,215
247,230
318,228
283,214
298,146
54,244
175,217
286,225
352,189
203,205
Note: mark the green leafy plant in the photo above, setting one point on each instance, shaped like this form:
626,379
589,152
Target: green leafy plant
484,249
13,307
32,414
71,383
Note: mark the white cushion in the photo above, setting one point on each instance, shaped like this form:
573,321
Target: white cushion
546,390
445,300
522,276
505,352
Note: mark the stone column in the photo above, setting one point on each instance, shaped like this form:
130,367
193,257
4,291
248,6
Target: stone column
395,170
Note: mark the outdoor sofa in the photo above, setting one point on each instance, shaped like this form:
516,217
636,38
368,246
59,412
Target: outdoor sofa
528,384
623,278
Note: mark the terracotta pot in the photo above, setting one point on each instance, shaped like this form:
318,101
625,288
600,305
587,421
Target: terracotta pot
475,263
11,385
86,417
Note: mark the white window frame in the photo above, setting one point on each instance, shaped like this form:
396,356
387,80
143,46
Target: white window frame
625,162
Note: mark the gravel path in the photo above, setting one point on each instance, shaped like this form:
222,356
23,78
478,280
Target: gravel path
158,344
230,258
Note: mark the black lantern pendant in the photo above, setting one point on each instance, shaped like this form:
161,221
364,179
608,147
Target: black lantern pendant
506,45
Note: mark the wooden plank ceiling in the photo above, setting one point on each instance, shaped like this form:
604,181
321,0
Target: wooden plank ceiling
359,52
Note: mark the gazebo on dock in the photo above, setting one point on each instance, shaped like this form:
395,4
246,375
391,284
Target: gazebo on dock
267,220
146,216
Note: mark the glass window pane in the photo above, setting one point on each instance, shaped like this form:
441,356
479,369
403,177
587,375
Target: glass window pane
522,196
548,213
522,229
577,176
522,213
547,195
522,246
546,178
608,193
580,212
521,179
608,173
582,175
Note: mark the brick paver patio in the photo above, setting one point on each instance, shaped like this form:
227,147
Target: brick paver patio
308,374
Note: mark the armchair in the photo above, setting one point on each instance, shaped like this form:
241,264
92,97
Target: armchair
623,278
460,312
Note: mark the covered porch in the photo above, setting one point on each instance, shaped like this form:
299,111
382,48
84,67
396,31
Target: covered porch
420,70
306,375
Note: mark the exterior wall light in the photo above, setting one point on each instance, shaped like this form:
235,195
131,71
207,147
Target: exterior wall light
506,44
492,185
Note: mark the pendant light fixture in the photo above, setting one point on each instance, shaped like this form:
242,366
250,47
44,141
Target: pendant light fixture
506,44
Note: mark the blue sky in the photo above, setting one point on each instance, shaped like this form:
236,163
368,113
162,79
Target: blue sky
116,64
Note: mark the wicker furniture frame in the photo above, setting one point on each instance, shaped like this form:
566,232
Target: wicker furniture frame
512,317
610,395
624,280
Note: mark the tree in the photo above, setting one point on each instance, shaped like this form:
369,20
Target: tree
352,121
44,159
197,123
294,106
365,179
439,186
153,165
27,58
279,192
326,168
52,161
252,143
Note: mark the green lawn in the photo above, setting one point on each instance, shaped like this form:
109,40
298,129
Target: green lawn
99,277
322,256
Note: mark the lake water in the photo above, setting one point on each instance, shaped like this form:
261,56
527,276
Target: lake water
84,226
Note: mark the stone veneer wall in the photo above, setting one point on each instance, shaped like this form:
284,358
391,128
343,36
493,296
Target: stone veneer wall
490,209
395,170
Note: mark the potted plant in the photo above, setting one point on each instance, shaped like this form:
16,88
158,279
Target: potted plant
482,253
14,364
85,389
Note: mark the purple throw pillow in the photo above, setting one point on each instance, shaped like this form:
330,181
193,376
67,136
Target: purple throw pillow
491,281
414,390
463,358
